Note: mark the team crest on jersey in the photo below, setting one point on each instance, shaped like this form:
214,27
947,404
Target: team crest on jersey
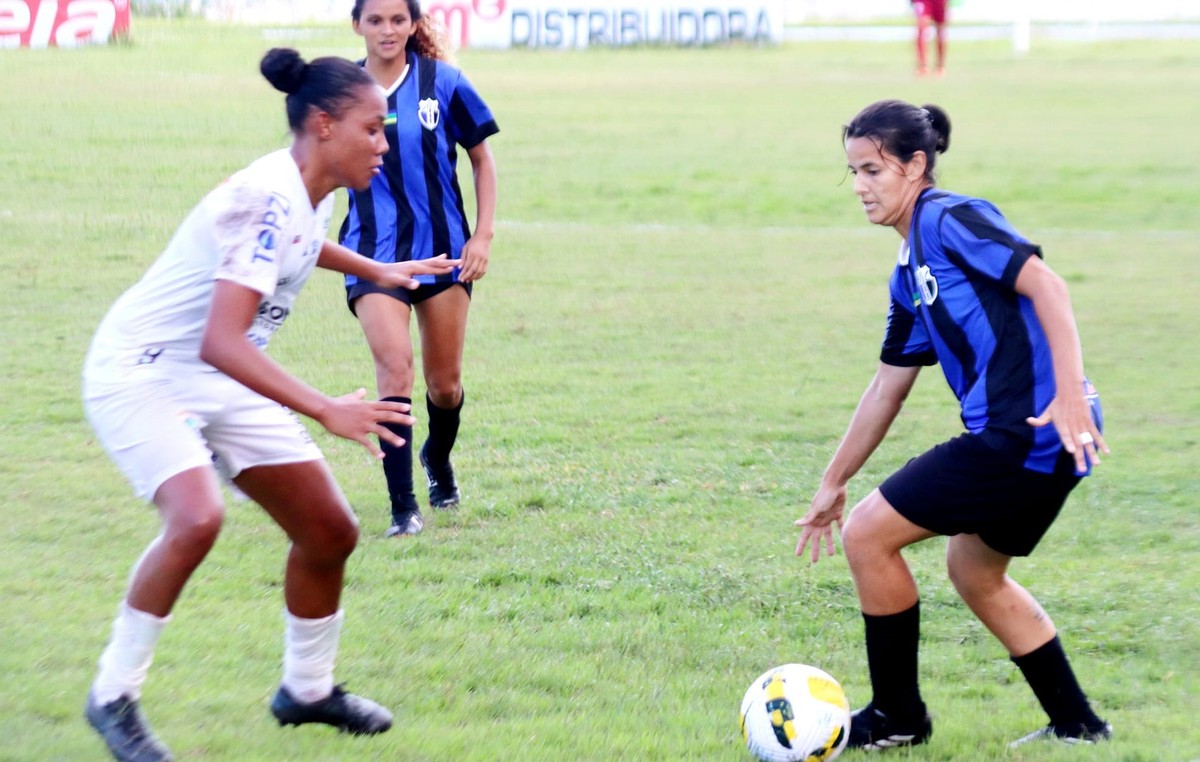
927,284
428,113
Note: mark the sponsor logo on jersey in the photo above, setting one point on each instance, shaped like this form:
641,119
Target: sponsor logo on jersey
428,113
149,355
927,285
270,226
272,314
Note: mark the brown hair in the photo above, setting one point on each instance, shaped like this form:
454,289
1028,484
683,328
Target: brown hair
429,37
902,129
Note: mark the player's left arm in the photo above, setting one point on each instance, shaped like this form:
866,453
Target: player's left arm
478,249
877,409
226,346
1069,411
340,259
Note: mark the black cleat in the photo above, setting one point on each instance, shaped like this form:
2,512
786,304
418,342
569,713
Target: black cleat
344,711
407,523
443,490
1067,734
871,729
123,727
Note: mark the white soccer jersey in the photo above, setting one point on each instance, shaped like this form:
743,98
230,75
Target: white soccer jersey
259,229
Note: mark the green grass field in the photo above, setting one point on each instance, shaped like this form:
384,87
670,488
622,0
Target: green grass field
683,307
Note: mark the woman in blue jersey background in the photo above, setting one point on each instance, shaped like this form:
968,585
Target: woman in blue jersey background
414,210
972,294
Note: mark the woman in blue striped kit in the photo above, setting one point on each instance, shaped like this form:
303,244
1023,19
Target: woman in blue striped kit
412,211
971,294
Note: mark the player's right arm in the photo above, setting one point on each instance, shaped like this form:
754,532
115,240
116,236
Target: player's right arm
226,347
340,259
877,408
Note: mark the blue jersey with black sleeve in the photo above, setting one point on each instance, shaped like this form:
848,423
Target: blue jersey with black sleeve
413,208
954,302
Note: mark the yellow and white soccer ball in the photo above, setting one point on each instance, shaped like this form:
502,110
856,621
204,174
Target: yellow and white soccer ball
795,713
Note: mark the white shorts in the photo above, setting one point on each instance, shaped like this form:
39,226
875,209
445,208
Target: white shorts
155,425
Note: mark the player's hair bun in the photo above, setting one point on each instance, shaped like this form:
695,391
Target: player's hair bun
939,120
284,69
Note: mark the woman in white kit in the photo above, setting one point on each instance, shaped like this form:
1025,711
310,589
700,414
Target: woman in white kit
179,390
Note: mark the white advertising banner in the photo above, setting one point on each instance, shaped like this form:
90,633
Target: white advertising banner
996,11
564,24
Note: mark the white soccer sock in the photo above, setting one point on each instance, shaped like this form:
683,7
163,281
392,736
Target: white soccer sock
310,648
126,660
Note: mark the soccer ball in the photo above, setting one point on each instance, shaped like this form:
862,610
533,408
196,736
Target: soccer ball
795,713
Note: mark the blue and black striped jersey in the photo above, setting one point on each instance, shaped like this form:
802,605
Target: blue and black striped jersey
953,302
413,208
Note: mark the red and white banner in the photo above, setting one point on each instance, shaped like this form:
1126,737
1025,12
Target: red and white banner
64,23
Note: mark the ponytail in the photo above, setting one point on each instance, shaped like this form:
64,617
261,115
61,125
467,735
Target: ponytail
431,39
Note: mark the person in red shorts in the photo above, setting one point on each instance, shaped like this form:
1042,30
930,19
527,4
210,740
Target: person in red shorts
930,12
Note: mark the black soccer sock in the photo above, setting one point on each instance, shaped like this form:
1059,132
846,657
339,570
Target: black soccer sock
1049,674
443,430
892,660
398,464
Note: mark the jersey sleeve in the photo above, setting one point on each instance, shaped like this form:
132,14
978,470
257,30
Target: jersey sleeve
985,242
249,228
906,343
471,121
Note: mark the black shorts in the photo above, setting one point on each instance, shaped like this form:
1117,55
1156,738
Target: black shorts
408,296
976,484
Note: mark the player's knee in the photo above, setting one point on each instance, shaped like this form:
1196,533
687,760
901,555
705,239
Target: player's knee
973,581
332,540
345,538
394,374
868,533
859,541
445,390
195,531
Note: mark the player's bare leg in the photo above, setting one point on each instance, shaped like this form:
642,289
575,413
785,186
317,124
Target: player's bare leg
385,324
940,35
873,536
192,511
980,575
306,502
922,45
443,323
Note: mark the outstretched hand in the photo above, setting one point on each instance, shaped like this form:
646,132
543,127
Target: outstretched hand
823,518
1071,416
400,274
351,416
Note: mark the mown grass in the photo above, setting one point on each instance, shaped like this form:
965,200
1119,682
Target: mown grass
683,307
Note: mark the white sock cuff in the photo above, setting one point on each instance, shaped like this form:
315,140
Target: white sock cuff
305,638
130,651
140,618
309,654
312,627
